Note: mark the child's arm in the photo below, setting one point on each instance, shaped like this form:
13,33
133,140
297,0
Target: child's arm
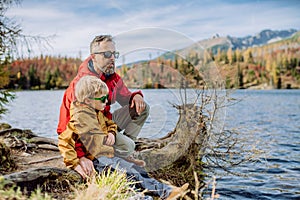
112,131
66,145
111,126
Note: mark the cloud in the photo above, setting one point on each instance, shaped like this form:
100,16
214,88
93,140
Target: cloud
75,23
149,41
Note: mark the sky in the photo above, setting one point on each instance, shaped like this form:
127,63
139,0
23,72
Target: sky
147,26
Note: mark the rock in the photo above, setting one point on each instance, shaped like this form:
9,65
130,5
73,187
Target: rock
4,126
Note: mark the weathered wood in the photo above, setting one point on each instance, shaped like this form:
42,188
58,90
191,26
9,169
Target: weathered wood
44,160
44,140
48,147
162,152
5,131
39,177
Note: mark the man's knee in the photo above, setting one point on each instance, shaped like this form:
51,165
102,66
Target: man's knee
147,109
125,147
130,146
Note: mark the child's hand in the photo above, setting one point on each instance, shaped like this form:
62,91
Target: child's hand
80,170
85,167
110,139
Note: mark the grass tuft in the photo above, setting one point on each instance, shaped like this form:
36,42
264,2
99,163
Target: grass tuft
110,185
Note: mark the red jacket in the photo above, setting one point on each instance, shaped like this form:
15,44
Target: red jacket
117,92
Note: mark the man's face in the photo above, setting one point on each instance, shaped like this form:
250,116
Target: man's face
102,64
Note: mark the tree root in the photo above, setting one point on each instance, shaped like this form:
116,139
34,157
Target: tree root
43,140
44,160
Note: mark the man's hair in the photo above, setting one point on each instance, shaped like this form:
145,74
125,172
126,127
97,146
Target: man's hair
89,86
100,38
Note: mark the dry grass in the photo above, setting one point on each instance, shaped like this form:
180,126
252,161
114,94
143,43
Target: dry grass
109,185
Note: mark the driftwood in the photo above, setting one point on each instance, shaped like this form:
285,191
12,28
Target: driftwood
44,140
176,157
48,146
163,152
32,161
172,158
44,160
47,178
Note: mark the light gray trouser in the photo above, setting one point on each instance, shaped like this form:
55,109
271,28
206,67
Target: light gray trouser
127,120
135,172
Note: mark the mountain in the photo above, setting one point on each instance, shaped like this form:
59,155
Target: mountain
223,43
264,37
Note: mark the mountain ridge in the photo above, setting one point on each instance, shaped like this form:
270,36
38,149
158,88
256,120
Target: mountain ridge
263,37
216,42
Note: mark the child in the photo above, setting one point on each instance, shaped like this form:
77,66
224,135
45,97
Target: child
97,134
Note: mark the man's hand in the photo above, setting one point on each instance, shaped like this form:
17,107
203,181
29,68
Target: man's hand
86,166
139,103
110,139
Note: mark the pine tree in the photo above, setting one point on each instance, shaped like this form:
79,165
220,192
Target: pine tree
240,77
8,33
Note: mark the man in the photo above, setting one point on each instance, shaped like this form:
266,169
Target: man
130,117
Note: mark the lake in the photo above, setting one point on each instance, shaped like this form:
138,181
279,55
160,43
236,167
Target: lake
271,118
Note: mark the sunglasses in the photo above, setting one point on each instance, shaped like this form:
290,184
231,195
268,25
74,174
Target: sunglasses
108,54
102,99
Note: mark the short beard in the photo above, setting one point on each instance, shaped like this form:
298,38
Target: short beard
109,72
106,71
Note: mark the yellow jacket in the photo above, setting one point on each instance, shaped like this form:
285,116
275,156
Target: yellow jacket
91,128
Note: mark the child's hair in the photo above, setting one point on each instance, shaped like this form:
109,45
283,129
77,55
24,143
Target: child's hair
89,86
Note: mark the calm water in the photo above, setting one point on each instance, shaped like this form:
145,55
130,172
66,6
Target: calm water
271,118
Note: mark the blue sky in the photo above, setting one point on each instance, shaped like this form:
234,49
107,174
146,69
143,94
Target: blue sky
75,22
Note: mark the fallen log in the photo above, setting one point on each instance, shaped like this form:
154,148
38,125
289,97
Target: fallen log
162,152
176,156
49,179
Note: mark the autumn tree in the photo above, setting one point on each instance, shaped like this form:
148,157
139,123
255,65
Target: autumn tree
248,56
229,55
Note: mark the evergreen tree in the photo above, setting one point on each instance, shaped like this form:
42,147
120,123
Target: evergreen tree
48,80
234,57
8,33
240,77
176,62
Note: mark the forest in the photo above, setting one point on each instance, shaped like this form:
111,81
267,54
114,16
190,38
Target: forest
272,66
